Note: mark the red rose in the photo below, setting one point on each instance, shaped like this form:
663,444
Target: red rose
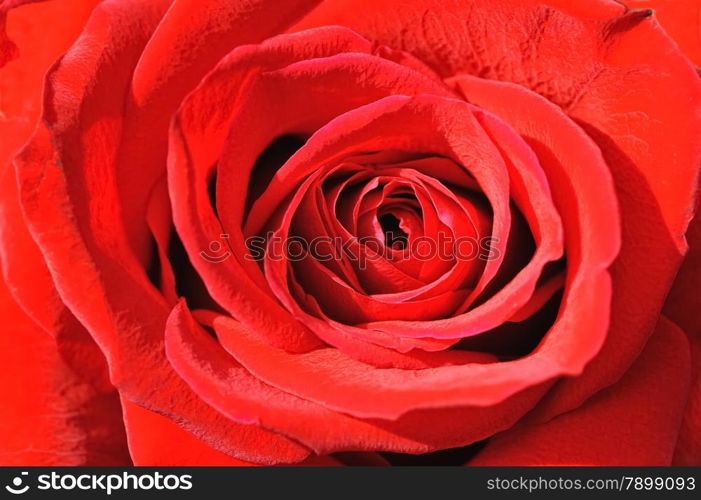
348,232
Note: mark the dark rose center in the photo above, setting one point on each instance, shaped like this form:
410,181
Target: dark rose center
395,236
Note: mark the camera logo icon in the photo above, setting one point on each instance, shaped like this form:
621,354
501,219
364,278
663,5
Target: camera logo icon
217,253
16,488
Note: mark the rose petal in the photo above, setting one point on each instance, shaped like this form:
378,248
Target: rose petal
585,201
683,304
56,411
634,422
684,307
500,40
189,40
155,440
21,83
234,391
372,127
332,379
8,49
73,214
40,34
196,143
126,343
688,450
564,349
606,66
681,19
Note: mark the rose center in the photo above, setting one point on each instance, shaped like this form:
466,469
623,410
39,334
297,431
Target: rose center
395,236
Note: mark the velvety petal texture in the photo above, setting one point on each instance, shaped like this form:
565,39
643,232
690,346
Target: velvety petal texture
57,409
681,19
594,60
646,402
249,232
110,53
684,307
